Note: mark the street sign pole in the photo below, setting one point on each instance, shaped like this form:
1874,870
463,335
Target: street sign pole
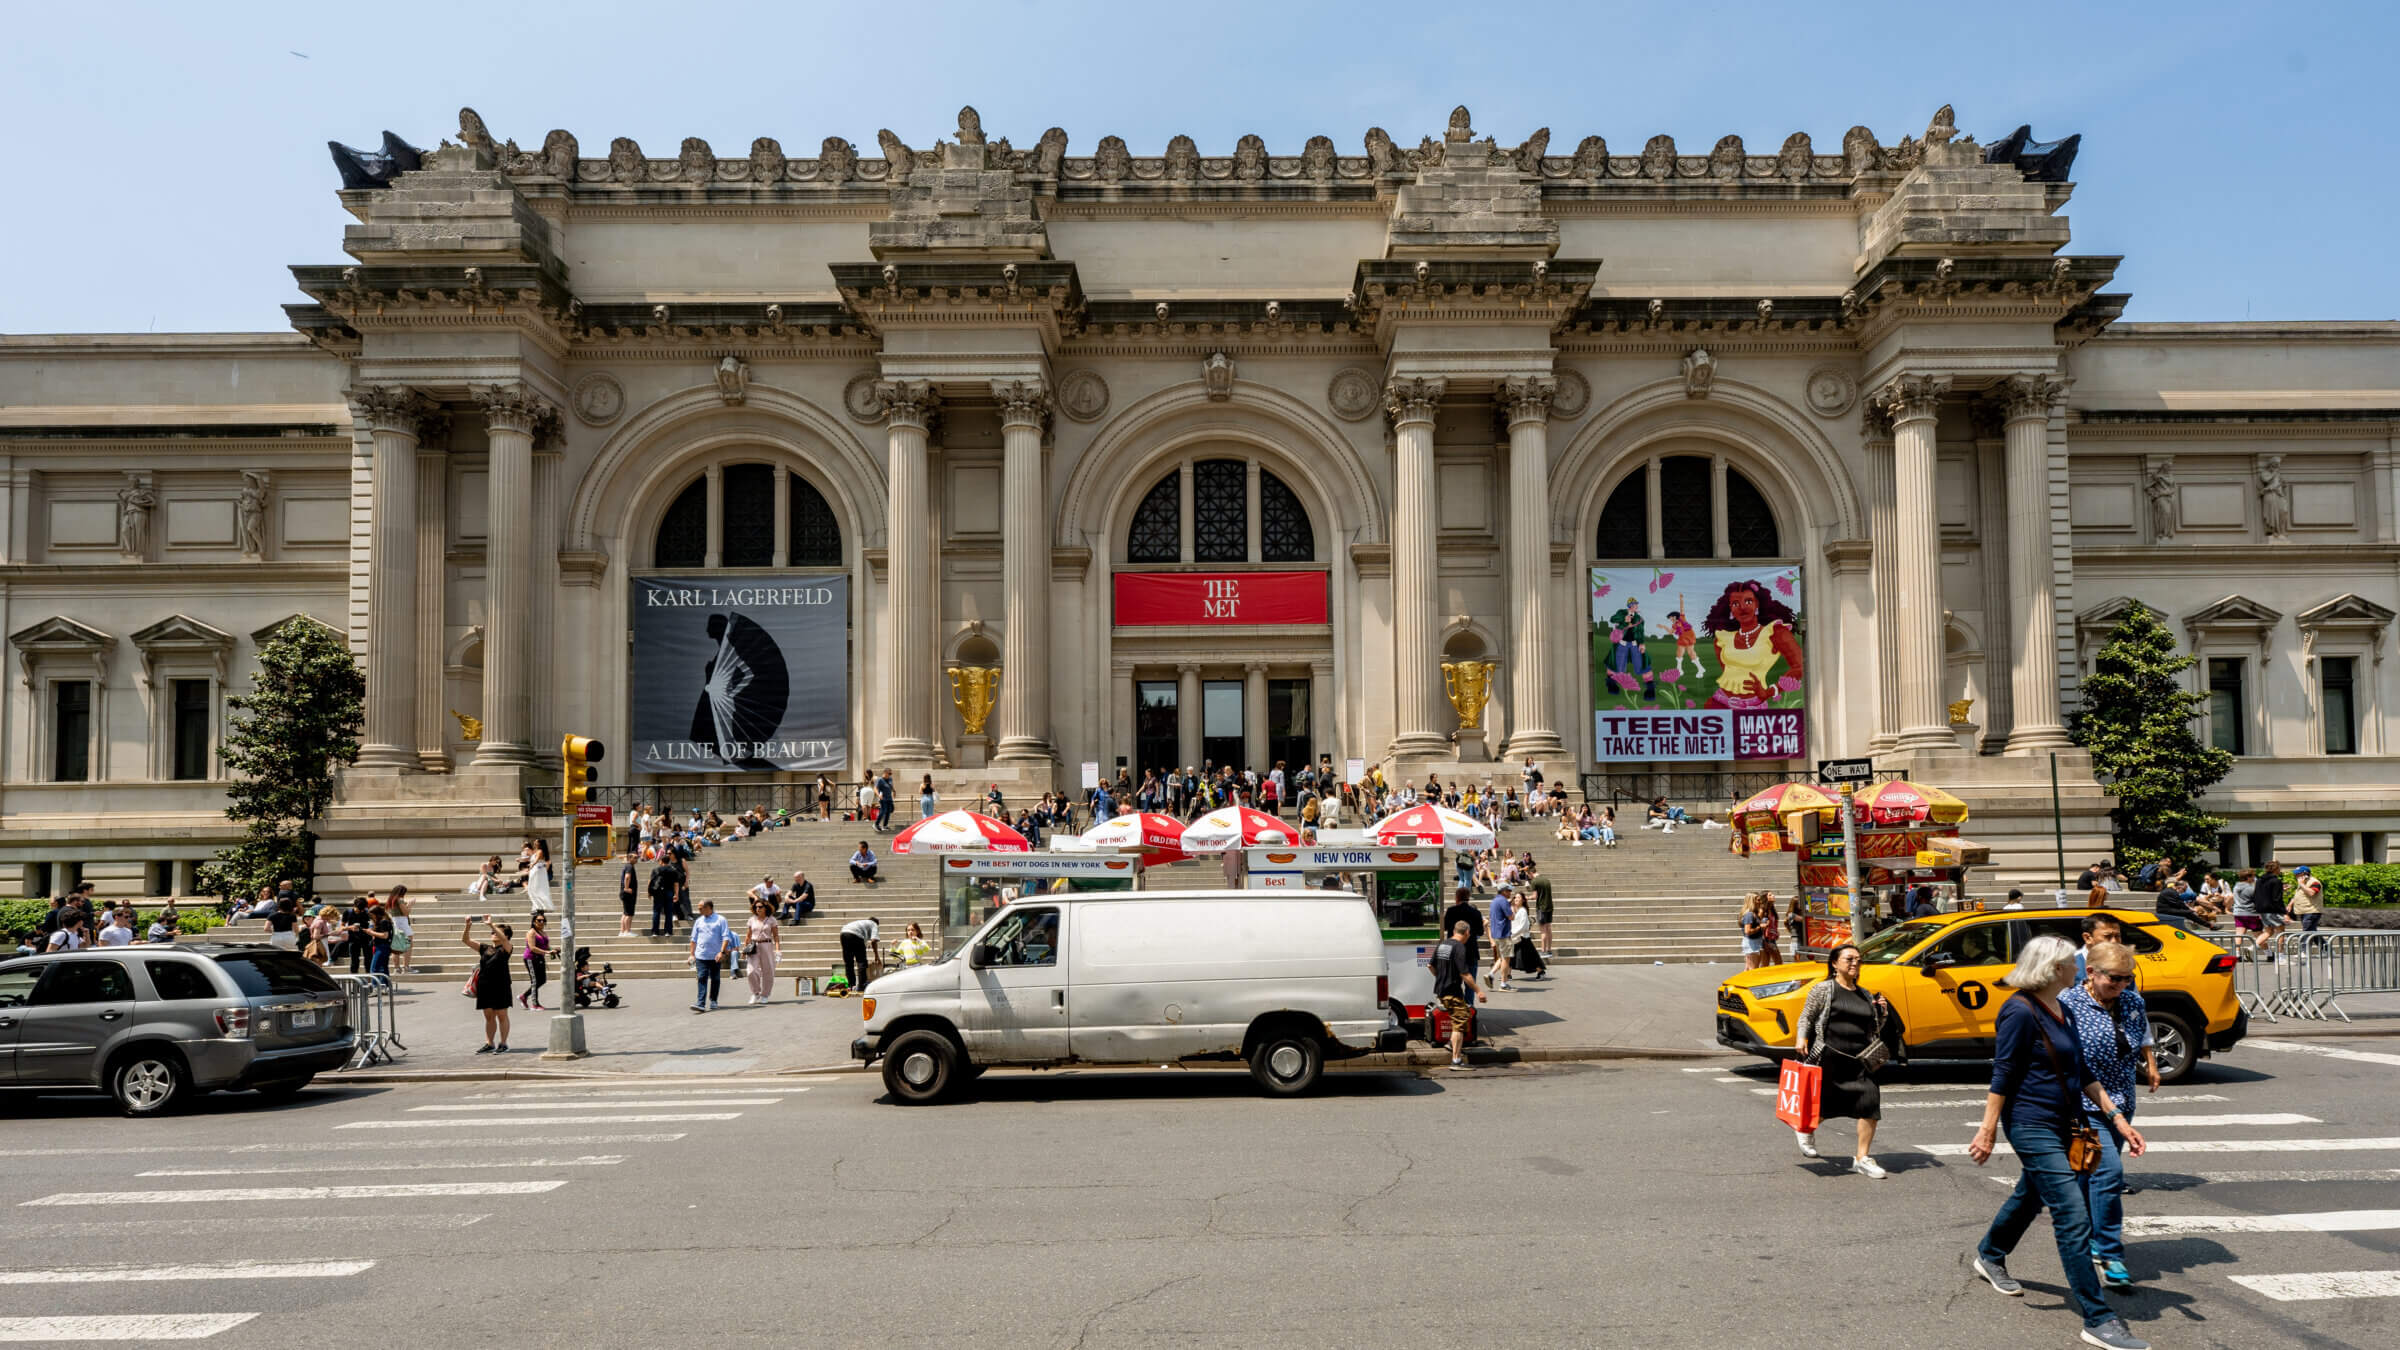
566,1029
1850,860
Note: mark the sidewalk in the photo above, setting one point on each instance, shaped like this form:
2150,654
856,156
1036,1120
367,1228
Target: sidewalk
1581,1013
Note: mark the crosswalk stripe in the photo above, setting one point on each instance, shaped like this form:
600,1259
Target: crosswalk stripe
634,1093
534,1120
2327,1051
2206,1146
246,1225
343,1145
2329,1284
121,1327
2171,1181
2146,1104
388,1192
552,1106
2331,1221
230,1270
609,1160
2148,1122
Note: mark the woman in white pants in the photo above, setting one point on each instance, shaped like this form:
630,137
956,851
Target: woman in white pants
537,878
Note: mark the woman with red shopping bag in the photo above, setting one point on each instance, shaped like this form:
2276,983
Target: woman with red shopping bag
1847,1034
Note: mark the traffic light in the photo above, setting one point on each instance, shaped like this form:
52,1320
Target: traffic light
578,754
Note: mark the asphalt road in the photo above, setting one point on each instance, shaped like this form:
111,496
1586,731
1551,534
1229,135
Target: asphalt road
1637,1204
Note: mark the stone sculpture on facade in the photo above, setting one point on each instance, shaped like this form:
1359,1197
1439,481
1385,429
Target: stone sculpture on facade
1470,687
2274,498
1216,374
974,691
1699,373
733,380
250,510
2166,508
135,501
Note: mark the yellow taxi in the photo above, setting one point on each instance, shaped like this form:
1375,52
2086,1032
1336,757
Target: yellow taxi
1941,976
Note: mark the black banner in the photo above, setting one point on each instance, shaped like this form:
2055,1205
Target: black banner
747,676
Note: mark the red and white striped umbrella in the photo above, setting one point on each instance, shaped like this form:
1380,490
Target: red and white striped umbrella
1236,827
952,831
1434,827
1159,837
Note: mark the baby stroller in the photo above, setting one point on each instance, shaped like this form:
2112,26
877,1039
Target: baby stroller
590,988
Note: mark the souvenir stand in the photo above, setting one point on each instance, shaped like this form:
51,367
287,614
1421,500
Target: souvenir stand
1852,844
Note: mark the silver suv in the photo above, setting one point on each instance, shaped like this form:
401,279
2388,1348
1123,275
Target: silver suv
155,1026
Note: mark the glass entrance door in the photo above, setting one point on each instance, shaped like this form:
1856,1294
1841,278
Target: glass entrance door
1221,722
1155,720
1287,726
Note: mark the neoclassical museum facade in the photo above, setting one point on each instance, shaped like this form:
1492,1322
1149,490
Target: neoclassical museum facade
762,464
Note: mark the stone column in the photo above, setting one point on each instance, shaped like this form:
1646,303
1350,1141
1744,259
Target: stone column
1187,714
908,659
1254,717
714,555
783,516
1912,402
1024,574
1416,631
396,417
433,545
1526,404
516,416
1320,712
2027,400
542,670
1875,430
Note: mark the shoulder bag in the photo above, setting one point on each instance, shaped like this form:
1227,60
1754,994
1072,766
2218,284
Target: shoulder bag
1879,1051
2083,1141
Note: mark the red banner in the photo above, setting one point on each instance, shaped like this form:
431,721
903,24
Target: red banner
1205,599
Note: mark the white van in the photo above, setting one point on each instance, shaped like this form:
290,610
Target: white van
1283,980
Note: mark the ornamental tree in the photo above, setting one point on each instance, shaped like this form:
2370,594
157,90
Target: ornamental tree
298,724
2137,721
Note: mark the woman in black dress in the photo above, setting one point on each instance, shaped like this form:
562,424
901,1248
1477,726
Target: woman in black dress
1837,1025
494,963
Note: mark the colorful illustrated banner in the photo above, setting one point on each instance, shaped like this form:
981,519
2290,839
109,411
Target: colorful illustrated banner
1698,663
747,678
1206,599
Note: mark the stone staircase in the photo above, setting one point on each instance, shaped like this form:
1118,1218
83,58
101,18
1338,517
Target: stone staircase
1654,897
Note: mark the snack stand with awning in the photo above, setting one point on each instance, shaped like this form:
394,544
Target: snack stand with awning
1403,884
975,885
1904,834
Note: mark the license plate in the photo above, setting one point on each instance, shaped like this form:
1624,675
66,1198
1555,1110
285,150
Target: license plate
305,1018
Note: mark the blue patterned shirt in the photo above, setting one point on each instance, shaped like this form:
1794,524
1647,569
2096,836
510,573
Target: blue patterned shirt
2112,1041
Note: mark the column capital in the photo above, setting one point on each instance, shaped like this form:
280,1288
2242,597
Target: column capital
514,407
1187,668
1023,403
1527,398
1910,398
2031,396
1413,399
1254,667
395,407
1874,424
908,403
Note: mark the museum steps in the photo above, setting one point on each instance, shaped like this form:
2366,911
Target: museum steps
1654,897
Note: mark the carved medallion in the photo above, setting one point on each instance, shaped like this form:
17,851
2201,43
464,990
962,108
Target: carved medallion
1831,391
860,400
598,400
1573,396
1082,395
1354,394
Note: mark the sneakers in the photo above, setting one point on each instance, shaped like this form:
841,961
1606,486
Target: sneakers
2112,1335
2113,1273
1808,1144
1996,1275
699,1007
1458,1065
1868,1167
712,1005
483,1049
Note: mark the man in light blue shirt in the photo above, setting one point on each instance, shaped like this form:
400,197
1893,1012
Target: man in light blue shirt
710,938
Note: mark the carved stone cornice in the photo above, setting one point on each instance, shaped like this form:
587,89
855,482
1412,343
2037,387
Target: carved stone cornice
1023,403
908,403
949,293
1548,290
1909,398
2023,397
515,407
1413,399
396,407
1527,398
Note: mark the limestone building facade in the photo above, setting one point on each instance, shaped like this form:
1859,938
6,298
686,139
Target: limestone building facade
1212,456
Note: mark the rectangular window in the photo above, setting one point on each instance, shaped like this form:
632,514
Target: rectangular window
2337,679
1221,723
192,716
2225,704
71,731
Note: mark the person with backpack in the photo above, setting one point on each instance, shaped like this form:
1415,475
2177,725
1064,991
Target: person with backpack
1454,986
668,886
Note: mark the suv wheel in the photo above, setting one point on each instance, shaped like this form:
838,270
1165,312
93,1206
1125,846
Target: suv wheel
920,1068
2178,1048
1287,1063
147,1082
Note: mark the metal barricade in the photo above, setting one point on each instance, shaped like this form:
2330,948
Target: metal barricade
374,1020
2256,983
2329,965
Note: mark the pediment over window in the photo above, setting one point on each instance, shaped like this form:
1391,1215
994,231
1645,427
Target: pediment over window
263,634
182,632
2348,613
2233,614
2106,615
62,635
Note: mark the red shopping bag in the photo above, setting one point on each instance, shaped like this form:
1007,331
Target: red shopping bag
1797,1095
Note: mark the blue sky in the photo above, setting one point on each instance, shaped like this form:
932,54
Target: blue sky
166,163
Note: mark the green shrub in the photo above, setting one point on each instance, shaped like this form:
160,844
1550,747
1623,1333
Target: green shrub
25,916
2358,883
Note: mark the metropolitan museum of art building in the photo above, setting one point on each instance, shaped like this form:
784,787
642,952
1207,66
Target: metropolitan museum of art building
1651,463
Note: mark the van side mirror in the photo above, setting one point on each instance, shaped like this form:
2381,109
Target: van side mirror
979,956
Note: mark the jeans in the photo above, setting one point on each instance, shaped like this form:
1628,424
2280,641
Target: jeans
379,959
2047,1182
662,918
710,974
1608,834
2104,1196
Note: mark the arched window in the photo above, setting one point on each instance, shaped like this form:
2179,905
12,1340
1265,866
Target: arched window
746,522
1157,533
1283,531
1220,511
1687,514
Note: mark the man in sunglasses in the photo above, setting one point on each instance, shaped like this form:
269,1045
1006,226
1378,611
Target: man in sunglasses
2109,1018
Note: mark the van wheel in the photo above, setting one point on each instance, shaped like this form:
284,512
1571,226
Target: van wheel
920,1068
149,1082
2177,1046
1287,1063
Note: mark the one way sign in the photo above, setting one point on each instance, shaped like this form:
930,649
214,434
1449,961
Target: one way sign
1845,771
